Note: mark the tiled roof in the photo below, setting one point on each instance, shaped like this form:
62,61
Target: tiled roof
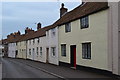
31,35
81,11
4,41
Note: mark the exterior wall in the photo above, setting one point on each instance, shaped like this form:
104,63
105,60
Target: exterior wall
52,41
11,50
119,35
22,50
96,34
114,38
1,50
42,43
5,50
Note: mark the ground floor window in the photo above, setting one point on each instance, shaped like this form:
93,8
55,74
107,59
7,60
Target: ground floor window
63,50
53,51
86,50
37,50
29,51
33,51
40,51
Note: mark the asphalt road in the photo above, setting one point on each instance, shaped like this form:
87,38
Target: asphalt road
20,68
14,69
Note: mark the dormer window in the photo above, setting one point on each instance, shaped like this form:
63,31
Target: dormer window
68,27
84,22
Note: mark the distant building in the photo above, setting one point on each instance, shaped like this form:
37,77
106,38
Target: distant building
5,45
13,38
1,49
36,45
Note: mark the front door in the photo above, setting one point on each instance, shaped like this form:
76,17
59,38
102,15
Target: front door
33,54
47,55
73,55
16,53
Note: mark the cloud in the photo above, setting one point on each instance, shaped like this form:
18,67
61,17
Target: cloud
18,15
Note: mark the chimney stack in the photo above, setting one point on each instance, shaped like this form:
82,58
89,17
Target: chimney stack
27,30
63,10
38,26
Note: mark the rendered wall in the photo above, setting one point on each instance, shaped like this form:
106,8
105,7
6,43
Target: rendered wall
52,41
22,50
42,43
96,34
11,50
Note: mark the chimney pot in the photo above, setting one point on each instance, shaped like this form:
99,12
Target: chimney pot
38,26
62,10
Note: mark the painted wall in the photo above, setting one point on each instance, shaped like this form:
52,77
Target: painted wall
114,37
119,34
11,50
52,41
96,34
22,50
1,50
42,43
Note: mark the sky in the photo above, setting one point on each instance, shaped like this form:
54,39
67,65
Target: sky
16,16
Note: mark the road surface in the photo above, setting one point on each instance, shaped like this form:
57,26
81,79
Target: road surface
20,68
14,69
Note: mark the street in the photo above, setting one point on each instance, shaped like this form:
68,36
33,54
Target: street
14,69
20,68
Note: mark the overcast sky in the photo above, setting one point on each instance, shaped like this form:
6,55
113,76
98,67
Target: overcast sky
19,15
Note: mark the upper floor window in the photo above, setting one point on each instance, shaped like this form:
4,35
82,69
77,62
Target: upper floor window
86,50
29,41
29,51
68,27
33,51
38,40
84,22
53,32
33,41
53,51
63,50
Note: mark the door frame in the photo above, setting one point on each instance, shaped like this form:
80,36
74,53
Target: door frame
16,53
73,55
47,55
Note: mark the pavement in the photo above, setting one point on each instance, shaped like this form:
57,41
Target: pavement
32,69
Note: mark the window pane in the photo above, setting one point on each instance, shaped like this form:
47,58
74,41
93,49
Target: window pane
63,50
53,51
84,22
86,50
68,27
41,51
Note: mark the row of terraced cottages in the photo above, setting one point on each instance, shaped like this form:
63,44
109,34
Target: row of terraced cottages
86,36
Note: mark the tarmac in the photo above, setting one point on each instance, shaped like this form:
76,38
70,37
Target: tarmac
0,69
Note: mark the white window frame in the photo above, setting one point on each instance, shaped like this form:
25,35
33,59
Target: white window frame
53,51
40,51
